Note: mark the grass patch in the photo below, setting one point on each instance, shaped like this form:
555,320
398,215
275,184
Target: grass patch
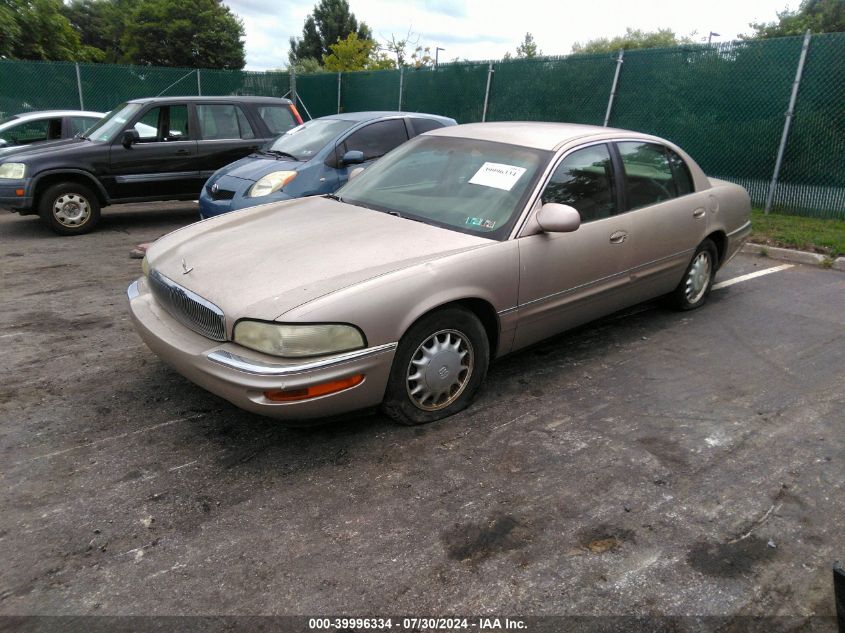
805,234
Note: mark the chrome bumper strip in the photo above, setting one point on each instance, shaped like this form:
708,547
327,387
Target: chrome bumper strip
261,368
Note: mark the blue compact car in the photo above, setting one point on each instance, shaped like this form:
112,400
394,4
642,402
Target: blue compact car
314,158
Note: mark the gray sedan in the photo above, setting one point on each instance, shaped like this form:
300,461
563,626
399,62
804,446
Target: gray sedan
462,245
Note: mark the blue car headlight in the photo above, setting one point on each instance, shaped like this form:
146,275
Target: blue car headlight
270,183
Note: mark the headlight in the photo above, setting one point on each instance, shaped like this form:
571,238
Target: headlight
271,183
12,170
145,267
297,341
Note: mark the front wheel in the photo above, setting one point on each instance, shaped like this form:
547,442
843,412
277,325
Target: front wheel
439,365
69,208
697,281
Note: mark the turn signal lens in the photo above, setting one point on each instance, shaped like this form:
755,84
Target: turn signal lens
305,393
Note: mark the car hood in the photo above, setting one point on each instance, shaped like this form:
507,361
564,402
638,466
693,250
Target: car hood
265,261
254,167
48,147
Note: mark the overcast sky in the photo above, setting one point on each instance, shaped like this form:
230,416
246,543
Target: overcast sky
485,29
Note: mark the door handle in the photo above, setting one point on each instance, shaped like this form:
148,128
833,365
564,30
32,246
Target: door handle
618,237
182,152
698,213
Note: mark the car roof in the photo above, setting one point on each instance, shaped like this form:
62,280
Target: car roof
536,134
379,114
211,98
38,114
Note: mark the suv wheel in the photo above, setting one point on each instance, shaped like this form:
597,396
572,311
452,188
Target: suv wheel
69,208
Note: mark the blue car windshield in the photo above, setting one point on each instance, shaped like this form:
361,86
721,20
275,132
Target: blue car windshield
306,140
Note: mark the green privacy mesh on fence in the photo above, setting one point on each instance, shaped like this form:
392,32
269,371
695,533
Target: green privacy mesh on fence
453,90
812,179
725,104
573,89
28,86
376,90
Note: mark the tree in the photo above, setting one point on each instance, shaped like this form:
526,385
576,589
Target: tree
418,58
101,24
36,29
528,48
819,16
353,53
330,22
633,38
191,33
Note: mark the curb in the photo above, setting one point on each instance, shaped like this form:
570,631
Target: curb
789,255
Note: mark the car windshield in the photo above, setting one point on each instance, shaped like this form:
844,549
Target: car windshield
110,125
467,185
8,119
309,138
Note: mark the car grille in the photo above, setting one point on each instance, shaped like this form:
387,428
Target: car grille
221,194
191,310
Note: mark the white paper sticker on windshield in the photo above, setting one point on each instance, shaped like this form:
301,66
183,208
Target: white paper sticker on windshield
497,175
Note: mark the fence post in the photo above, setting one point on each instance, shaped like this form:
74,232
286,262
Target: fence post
619,61
199,84
487,92
293,85
338,92
790,112
79,87
401,79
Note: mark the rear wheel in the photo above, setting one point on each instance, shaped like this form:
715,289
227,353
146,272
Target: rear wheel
439,365
697,281
69,208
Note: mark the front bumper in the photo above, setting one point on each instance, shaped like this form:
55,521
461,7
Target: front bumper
9,198
241,376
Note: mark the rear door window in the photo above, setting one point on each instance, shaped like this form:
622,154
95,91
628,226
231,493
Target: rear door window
220,121
425,125
649,177
584,180
279,119
376,139
34,131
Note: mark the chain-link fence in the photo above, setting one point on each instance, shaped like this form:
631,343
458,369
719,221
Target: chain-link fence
751,112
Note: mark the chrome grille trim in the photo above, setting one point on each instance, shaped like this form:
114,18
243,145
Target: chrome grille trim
187,307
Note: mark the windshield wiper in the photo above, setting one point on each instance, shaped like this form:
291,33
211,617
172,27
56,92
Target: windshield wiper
333,196
275,152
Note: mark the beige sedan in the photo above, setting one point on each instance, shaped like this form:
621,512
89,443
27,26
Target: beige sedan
461,246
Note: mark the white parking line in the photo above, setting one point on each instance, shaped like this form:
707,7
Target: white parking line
759,273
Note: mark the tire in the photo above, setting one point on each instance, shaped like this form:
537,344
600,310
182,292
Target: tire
697,282
69,208
461,354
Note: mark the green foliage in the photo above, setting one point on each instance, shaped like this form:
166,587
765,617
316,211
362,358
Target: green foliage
528,48
308,66
418,58
36,29
819,16
633,38
330,22
354,53
192,33
101,24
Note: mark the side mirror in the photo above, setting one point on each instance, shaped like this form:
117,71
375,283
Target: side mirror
558,218
356,172
352,157
130,136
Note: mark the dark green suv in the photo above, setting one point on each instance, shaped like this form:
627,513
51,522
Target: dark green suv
143,150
